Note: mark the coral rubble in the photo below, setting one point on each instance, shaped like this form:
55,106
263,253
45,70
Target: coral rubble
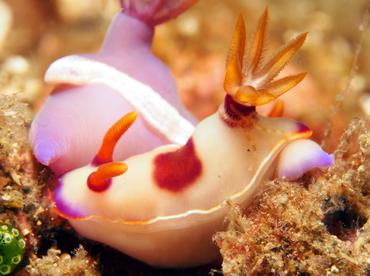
17,171
316,226
58,264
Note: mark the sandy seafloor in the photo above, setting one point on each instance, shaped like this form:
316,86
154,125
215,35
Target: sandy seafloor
333,236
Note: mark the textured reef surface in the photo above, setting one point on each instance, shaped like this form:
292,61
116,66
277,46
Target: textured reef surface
318,225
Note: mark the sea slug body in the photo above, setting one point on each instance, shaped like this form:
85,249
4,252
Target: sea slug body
92,90
173,197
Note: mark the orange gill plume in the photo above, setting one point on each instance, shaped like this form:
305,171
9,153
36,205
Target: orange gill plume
277,110
100,179
249,82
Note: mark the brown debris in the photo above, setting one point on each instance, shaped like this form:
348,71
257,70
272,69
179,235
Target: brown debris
58,264
316,226
24,200
19,177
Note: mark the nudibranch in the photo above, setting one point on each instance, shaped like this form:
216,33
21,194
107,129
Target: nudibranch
162,207
123,75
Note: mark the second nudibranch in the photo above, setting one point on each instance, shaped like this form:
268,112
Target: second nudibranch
162,207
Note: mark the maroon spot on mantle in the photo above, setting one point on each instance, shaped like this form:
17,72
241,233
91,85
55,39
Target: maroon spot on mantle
102,187
174,171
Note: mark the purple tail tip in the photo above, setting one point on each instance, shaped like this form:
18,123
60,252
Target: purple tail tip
45,152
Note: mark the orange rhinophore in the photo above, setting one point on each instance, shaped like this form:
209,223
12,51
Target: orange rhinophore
100,179
251,83
112,136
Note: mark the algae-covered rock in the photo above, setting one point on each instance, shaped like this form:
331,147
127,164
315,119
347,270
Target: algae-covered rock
57,264
316,226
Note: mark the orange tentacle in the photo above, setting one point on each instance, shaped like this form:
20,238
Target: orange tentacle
100,179
277,110
112,136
